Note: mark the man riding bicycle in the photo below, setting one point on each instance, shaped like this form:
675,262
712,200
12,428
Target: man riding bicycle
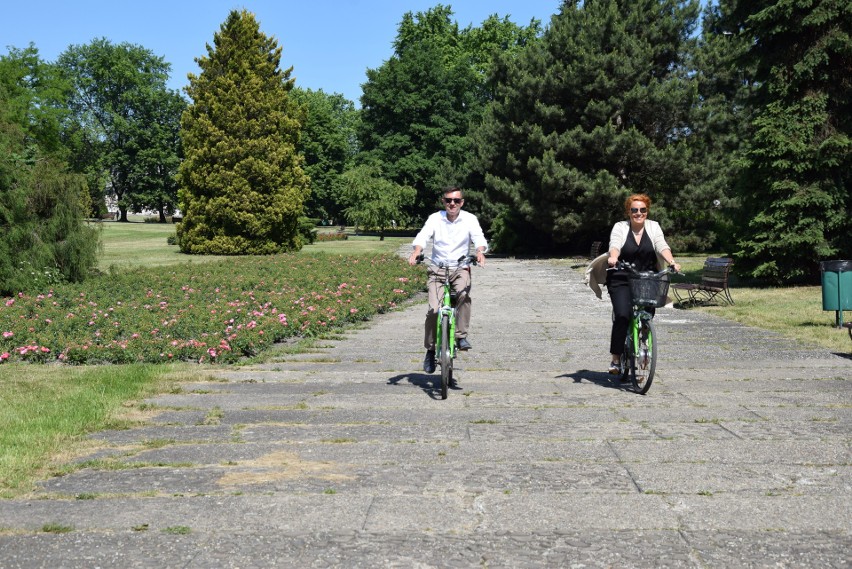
451,231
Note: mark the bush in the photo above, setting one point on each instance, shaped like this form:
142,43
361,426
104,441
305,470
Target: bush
307,230
44,238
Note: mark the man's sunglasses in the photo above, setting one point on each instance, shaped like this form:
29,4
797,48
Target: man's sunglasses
638,210
453,200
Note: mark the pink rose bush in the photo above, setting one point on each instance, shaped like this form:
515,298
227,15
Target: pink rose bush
213,312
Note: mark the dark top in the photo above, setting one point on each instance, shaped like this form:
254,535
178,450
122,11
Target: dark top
642,255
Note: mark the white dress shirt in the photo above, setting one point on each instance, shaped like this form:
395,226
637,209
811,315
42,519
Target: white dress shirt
451,239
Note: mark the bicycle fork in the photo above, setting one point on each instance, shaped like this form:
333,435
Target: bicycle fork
641,345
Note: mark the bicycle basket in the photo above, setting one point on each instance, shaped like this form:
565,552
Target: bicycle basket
648,290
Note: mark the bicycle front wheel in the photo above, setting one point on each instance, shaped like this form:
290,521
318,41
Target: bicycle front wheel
644,358
627,356
445,358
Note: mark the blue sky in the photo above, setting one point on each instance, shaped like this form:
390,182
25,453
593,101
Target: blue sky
329,43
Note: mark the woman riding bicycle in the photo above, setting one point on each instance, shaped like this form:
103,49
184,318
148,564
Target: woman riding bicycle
638,241
451,231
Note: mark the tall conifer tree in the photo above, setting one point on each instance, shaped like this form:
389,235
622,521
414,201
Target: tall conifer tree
595,110
795,186
243,186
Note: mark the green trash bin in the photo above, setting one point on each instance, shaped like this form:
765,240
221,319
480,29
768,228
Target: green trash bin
836,287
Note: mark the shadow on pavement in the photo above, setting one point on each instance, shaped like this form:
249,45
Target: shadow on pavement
597,377
430,384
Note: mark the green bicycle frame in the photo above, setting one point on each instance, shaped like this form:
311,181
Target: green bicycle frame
446,308
635,324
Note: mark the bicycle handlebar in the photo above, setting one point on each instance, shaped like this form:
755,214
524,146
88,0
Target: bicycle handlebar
463,260
631,268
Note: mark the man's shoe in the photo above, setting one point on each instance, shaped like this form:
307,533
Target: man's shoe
429,361
614,369
463,344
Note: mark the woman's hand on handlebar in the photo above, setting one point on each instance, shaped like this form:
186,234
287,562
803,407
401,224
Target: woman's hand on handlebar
612,261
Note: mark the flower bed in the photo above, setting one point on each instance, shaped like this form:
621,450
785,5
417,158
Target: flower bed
219,311
339,236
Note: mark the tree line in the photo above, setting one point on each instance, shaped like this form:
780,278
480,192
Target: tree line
734,119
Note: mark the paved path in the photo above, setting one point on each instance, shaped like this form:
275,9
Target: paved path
738,457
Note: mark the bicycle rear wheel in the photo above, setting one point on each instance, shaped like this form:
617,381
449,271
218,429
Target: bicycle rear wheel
644,360
444,357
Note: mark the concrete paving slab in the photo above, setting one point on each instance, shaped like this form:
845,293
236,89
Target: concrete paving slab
766,512
711,478
767,453
201,514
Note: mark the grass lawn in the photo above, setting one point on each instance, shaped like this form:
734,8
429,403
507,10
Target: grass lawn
137,244
361,244
47,411
795,312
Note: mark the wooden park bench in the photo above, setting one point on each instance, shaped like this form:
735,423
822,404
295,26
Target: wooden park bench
714,283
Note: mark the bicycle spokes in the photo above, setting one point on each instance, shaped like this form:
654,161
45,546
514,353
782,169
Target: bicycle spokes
642,355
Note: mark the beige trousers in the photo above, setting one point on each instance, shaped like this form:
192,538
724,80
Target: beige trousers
461,285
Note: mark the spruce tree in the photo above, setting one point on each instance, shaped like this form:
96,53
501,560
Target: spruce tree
242,181
597,109
795,185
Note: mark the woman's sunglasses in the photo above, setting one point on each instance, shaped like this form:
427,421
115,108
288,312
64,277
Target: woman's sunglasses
638,210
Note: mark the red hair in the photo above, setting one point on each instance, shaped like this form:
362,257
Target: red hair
637,198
